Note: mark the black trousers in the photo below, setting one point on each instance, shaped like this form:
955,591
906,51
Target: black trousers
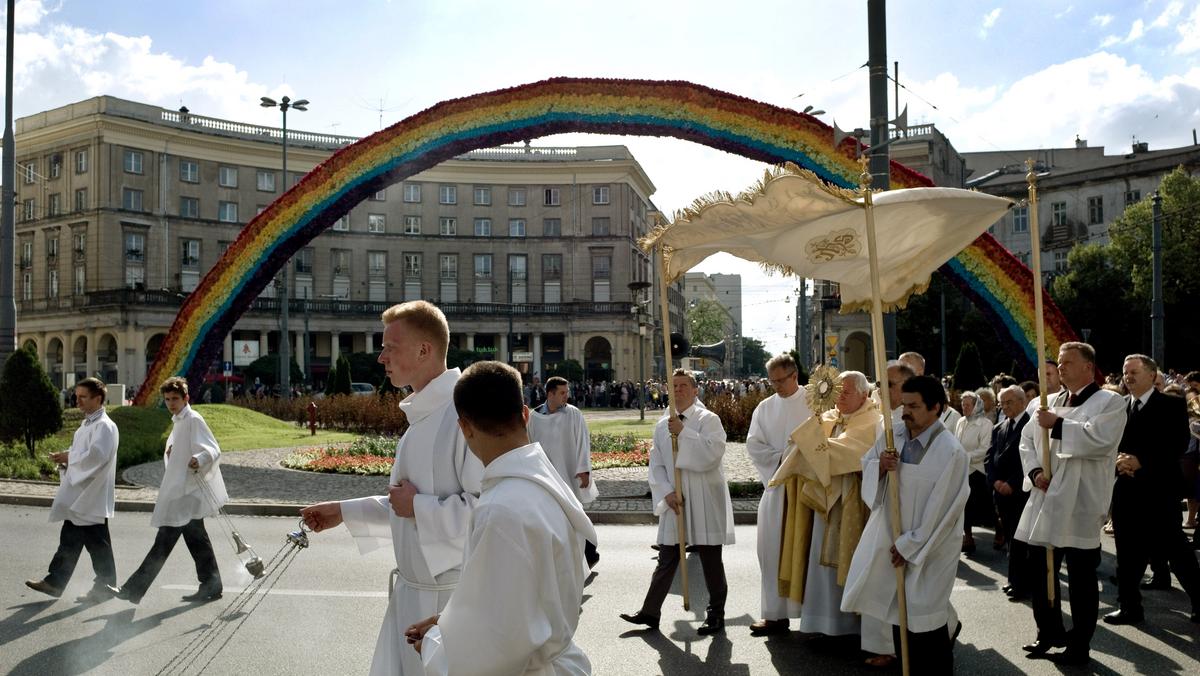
1142,533
72,540
1085,595
929,652
1009,508
198,544
664,574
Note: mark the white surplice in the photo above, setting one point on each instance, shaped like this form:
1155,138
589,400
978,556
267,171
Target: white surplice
187,494
86,495
950,418
975,435
518,601
933,493
770,425
706,504
564,437
1073,510
433,456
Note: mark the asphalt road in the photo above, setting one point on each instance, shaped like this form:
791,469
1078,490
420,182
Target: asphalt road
323,614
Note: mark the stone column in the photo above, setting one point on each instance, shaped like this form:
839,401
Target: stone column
69,358
470,342
334,348
368,340
93,348
227,348
537,356
263,344
503,352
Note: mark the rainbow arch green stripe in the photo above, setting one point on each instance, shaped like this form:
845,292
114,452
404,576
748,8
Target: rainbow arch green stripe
675,109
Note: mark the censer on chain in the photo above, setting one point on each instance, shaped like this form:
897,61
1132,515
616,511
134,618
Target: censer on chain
245,553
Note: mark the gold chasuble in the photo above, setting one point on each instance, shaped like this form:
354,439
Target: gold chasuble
822,473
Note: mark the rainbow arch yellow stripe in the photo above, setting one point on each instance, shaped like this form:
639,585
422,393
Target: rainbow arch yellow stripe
625,107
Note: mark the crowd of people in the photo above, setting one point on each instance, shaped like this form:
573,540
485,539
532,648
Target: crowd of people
485,505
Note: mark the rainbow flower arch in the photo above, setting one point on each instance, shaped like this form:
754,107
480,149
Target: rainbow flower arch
992,277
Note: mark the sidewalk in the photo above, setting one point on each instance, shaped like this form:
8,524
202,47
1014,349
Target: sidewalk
258,485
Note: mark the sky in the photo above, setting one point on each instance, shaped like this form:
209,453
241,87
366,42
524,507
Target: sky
990,75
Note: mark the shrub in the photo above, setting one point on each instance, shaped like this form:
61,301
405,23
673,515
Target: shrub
735,412
30,408
379,415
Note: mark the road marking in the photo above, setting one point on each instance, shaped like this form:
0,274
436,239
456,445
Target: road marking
290,592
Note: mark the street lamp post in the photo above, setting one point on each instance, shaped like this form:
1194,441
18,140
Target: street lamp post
638,306
285,348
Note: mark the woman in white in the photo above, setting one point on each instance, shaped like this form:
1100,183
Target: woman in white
974,432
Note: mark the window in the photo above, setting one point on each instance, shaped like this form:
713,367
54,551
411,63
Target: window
227,177
516,197
448,194
516,227
81,199
135,247
601,227
227,212
80,280
448,278
376,263
81,161
55,166
447,227
135,276
51,247
28,209
1131,196
131,199
133,162
189,171
412,276
601,278
1020,219
380,196
340,259
377,276
189,254
1060,261
377,223
52,284
483,227
30,168
600,194
1058,213
412,225
483,278
54,205
1095,210
342,224
80,245
483,195
552,198
518,279
304,261
26,286
265,180
26,253
552,278
552,227
412,192
259,208
189,207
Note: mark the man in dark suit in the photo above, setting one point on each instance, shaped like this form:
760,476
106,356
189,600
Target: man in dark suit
1004,475
1146,497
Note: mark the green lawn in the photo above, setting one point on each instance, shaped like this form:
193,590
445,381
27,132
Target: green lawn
641,430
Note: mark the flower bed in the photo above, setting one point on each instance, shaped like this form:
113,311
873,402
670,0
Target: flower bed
619,450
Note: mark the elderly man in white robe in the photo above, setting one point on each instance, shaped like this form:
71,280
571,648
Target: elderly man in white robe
560,429
1067,511
704,499
192,489
433,487
770,425
85,498
517,604
932,473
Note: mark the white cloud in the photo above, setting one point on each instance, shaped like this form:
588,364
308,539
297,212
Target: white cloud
989,20
1068,10
1136,31
1102,20
1189,33
1169,13
30,13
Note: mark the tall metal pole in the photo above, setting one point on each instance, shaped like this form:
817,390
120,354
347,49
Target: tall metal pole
8,227
285,336
1157,337
802,341
879,167
945,370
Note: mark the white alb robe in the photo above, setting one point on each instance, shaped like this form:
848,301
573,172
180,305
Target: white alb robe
950,418
933,493
706,504
86,492
428,548
1073,510
564,437
770,426
975,435
518,600
187,494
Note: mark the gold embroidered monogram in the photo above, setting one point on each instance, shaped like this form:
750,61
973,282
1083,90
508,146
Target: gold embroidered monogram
837,244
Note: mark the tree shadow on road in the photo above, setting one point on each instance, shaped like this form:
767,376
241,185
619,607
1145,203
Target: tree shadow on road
22,622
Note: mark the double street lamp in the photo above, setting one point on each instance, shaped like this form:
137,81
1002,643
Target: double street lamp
285,348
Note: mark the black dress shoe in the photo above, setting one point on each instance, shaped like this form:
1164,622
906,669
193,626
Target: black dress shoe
769,627
1007,589
1195,616
1042,646
123,593
641,618
1124,617
95,595
202,596
1156,583
714,624
1071,656
44,587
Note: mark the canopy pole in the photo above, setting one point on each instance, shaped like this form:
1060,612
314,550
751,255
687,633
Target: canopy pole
680,519
1035,249
877,348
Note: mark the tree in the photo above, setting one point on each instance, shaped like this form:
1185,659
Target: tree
1091,294
968,370
341,376
30,408
706,322
754,357
801,373
267,369
365,368
570,369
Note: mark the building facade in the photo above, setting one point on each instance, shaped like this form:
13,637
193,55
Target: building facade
123,207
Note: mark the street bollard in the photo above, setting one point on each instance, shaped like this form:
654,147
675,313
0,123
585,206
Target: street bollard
312,417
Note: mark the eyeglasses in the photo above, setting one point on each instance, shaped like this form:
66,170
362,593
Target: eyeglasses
777,381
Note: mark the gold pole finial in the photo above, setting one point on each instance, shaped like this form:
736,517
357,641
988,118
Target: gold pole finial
864,178
1030,175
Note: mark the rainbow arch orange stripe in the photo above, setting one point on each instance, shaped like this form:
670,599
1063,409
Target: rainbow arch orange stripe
625,107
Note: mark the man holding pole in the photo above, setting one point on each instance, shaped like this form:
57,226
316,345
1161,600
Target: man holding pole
702,497
1081,432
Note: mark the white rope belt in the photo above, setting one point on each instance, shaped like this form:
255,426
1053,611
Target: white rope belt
420,586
